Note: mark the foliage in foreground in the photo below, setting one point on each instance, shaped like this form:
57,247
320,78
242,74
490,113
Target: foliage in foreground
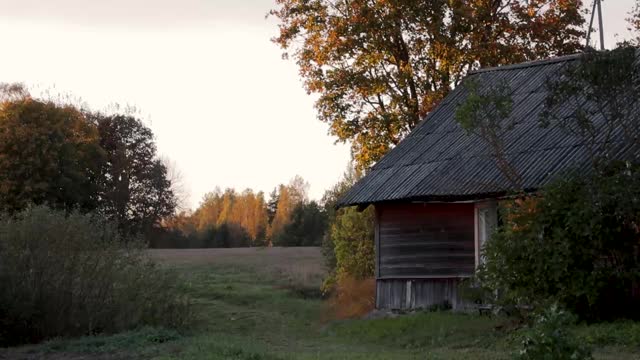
70,275
577,244
551,339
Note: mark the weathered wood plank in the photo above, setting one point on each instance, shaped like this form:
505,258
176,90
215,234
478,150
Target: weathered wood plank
403,294
377,240
424,239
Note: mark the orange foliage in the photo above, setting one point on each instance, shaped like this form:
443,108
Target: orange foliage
352,298
289,196
246,210
518,208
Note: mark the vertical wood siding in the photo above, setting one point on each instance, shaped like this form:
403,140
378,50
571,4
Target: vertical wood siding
425,240
418,294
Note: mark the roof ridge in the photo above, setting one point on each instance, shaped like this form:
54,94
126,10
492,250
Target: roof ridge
526,64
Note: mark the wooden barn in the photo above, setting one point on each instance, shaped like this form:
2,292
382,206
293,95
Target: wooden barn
435,193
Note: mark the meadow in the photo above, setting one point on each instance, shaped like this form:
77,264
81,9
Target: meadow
264,303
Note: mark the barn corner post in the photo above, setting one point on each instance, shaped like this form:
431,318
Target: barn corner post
376,236
485,222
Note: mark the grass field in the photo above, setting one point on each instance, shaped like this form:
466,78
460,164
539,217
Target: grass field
252,304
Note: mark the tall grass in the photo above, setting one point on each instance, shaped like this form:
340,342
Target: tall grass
71,274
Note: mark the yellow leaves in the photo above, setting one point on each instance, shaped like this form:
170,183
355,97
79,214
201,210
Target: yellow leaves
246,209
289,197
380,66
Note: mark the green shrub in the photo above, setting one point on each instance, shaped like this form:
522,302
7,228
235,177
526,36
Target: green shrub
550,339
348,246
68,275
353,240
576,244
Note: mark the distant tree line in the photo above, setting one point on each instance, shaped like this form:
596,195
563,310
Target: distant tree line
69,158
240,219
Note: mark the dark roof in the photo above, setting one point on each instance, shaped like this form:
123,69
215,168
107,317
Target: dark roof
440,161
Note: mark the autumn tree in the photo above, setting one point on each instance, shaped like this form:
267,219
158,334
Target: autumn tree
380,66
272,204
182,221
49,154
134,188
209,210
289,196
227,218
258,222
250,212
227,203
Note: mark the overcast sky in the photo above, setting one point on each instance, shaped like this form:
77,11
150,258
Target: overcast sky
222,103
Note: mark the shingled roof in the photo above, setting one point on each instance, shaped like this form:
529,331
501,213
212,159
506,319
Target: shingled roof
440,161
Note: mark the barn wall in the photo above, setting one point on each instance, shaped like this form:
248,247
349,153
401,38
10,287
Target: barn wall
423,251
401,294
425,240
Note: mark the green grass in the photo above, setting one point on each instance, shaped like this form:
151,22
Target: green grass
247,312
131,341
424,330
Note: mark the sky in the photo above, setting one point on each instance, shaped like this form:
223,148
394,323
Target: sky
203,74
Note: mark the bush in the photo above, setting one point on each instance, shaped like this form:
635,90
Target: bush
577,244
69,275
348,246
550,339
352,235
